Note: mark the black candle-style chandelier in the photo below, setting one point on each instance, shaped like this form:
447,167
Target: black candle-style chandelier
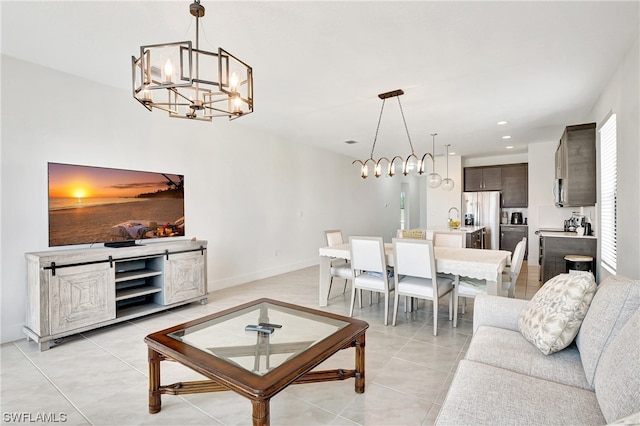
191,83
388,167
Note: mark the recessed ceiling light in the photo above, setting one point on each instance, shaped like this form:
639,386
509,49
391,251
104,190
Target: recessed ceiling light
350,142
501,123
506,137
452,153
509,147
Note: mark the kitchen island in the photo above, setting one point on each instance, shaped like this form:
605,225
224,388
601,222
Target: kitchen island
474,235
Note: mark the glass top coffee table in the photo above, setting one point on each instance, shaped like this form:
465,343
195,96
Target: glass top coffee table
256,349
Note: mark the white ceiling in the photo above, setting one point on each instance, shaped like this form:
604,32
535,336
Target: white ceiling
318,66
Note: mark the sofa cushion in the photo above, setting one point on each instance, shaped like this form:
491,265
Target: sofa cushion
553,316
482,394
508,349
617,379
612,306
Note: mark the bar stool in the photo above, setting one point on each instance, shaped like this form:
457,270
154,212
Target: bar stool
578,262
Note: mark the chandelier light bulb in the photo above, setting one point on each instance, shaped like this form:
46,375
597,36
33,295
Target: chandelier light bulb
146,95
378,170
233,82
168,72
411,165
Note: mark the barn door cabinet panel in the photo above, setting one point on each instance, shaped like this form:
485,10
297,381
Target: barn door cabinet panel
185,274
80,296
71,291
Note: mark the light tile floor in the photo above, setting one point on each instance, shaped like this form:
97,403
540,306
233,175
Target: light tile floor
101,377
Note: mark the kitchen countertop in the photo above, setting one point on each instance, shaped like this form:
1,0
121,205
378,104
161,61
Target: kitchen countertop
563,234
509,224
464,229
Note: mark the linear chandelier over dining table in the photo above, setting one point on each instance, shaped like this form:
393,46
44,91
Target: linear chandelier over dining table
409,164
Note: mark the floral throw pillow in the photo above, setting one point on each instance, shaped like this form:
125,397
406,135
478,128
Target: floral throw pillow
553,316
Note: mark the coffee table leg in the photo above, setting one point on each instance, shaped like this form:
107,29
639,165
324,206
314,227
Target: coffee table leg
360,341
260,412
154,381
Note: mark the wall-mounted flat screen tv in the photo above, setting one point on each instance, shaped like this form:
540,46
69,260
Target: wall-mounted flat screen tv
117,207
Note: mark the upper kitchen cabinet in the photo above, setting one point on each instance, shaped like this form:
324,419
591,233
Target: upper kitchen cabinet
515,185
482,178
576,166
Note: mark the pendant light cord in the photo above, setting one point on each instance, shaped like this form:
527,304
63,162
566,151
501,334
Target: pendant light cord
377,128
406,129
405,126
433,151
447,161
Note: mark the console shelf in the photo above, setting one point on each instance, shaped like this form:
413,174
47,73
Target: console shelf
132,275
72,291
132,292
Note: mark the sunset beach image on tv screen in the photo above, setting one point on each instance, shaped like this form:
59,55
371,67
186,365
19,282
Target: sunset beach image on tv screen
96,204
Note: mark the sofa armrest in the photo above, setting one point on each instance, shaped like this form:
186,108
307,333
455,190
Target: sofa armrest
496,311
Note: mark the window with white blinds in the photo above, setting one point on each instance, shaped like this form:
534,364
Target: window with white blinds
608,195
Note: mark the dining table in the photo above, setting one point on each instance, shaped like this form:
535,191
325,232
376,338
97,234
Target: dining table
473,263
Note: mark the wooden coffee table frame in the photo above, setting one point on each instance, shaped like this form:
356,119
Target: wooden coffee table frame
259,389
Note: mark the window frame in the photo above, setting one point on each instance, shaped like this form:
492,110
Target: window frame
608,193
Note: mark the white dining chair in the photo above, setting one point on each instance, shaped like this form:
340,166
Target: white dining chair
449,239
511,273
416,277
340,268
470,287
419,234
369,268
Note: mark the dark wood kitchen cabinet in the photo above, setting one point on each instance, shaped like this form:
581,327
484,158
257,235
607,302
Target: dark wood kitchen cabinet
511,235
515,185
576,166
554,249
483,178
511,179
475,239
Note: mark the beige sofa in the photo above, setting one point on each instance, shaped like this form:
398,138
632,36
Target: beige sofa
506,380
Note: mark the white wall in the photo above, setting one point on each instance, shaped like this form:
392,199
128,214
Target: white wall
622,97
437,201
249,195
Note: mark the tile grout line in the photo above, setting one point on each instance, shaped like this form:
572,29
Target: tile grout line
146,375
52,383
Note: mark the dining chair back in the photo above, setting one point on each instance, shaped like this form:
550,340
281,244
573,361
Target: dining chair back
367,254
369,269
414,258
510,277
418,234
471,287
340,268
448,239
416,276
334,237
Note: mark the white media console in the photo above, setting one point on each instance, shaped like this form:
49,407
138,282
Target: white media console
72,291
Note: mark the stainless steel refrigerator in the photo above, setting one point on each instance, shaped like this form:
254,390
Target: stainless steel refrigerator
483,209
